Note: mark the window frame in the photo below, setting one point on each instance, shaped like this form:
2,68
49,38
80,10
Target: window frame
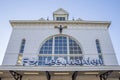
58,38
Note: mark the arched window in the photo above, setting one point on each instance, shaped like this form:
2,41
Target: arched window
98,46
22,46
59,46
99,49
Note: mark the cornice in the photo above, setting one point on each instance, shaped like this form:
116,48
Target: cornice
14,22
61,68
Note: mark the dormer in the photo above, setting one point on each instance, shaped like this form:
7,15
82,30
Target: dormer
60,15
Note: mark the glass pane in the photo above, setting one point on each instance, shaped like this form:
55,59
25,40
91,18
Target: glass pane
98,46
47,47
74,47
60,43
22,46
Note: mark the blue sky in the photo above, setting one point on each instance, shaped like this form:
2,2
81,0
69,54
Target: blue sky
100,10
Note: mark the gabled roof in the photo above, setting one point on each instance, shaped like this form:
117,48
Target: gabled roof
60,11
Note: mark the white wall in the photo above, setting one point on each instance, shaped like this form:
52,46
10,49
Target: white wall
35,34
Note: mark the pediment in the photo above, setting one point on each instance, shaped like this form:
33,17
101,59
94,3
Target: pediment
60,11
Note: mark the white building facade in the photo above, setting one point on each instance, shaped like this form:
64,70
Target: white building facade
60,49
